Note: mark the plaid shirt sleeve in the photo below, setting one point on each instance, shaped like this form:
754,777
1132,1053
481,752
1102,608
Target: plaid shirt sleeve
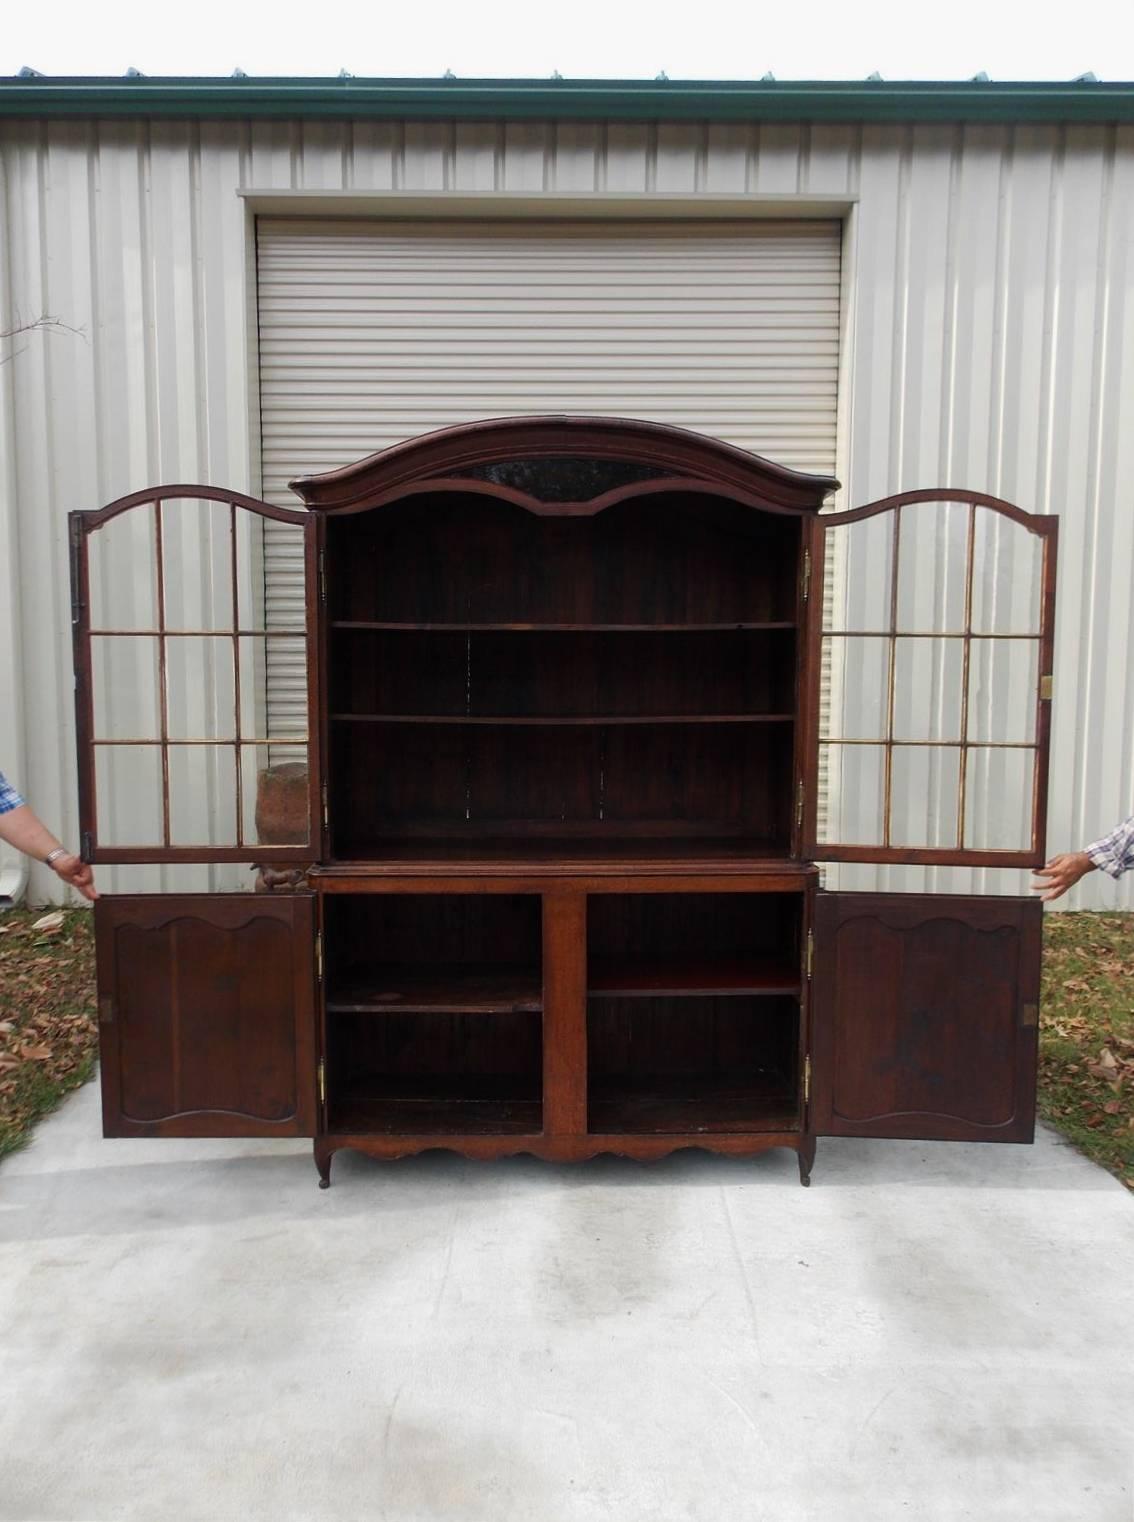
9,798
1114,853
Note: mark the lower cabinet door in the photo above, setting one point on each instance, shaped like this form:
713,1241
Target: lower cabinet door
207,1014
924,1012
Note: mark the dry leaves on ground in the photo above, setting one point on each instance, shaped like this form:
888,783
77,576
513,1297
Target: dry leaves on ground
48,1029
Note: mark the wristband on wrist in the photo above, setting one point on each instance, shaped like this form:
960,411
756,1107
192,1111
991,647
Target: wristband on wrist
53,856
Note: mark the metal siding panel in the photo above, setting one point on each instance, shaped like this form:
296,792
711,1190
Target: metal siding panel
577,152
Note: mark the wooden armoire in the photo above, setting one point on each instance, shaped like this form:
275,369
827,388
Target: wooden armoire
566,727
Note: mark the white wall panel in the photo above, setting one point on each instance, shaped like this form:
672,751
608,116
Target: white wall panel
990,344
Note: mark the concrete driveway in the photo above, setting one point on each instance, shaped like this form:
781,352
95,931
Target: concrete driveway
193,1330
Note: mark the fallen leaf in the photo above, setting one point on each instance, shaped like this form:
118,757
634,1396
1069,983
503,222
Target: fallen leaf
49,921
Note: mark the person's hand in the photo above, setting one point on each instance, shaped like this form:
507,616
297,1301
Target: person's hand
1061,873
74,870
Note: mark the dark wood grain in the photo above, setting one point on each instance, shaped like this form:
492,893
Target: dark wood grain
646,979
207,1014
462,989
924,1016
565,1011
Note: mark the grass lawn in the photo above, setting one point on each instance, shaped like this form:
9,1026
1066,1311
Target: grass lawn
48,1028
49,1032
1086,1079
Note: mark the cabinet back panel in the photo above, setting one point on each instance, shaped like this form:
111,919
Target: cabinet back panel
487,674
429,929
378,1053
671,558
692,1038
646,927
405,779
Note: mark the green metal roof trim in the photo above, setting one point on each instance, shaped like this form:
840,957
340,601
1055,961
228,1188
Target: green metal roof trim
590,99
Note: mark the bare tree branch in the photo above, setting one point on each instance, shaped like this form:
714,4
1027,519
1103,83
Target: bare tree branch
41,324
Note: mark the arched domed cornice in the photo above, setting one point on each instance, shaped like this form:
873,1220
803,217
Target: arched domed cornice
657,457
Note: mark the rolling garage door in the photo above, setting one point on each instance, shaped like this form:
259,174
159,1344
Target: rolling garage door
374,332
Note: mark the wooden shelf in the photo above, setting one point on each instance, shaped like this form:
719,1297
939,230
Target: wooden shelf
690,1106
435,1107
556,720
621,980
555,855
464,990
541,628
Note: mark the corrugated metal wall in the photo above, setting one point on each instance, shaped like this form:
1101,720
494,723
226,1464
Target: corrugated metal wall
990,343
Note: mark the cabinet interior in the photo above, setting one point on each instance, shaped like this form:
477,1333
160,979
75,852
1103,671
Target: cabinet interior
693,1011
498,676
433,1013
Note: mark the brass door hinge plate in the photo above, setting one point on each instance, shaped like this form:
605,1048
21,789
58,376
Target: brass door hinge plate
807,1079
810,953
1029,1014
799,801
1047,684
322,576
322,1077
319,956
806,574
326,809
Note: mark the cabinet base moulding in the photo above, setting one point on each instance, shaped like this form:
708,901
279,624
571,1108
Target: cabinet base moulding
566,1148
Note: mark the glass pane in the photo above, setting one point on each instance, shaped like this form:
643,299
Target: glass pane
122,565
1003,687
853,704
200,687
932,562
274,797
271,580
1007,576
857,575
851,794
928,677
925,796
197,563
273,688
128,795
125,688
998,799
202,795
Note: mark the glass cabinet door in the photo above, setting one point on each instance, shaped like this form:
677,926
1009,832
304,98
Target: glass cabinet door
195,678
930,658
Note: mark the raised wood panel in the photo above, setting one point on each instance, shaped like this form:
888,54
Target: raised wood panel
924,1016
206,1006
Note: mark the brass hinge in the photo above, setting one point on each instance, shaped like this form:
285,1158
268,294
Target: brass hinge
326,810
319,956
322,576
86,845
321,1072
810,953
105,1009
806,574
807,1079
799,797
1047,683
1029,1014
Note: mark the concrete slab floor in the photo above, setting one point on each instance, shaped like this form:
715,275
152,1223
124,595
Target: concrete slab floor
193,1330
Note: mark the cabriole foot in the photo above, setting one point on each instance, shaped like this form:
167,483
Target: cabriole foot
806,1155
